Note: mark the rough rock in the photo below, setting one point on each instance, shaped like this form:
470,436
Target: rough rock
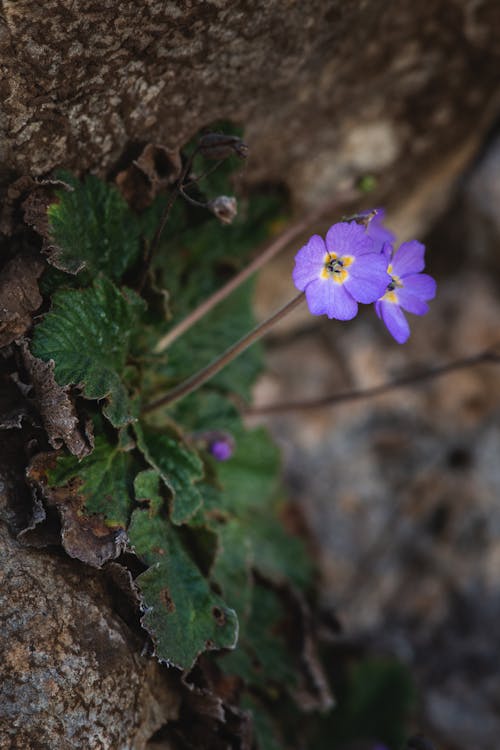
69,664
327,91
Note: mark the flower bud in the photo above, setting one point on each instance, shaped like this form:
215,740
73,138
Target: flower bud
221,448
220,146
224,207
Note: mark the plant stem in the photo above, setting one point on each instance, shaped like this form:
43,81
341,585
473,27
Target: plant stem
274,248
177,188
196,380
357,394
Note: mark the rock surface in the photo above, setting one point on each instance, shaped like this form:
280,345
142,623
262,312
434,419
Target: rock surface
62,685
327,91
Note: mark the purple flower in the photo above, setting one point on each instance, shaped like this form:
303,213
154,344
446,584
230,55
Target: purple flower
340,271
221,447
375,228
408,289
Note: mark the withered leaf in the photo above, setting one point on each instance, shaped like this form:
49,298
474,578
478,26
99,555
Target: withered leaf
86,538
155,169
19,296
56,407
34,196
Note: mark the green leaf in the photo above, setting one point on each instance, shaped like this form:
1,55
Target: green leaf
262,658
233,566
179,468
206,410
86,333
250,479
182,615
92,228
147,489
219,329
106,478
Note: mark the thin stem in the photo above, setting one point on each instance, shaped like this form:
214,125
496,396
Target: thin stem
196,380
203,175
377,390
274,248
164,218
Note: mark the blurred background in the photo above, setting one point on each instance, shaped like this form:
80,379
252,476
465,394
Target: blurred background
400,493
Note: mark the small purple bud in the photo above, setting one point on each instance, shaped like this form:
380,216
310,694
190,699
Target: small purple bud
224,207
220,146
221,448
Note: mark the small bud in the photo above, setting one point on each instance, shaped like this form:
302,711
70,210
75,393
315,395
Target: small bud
220,146
221,449
224,207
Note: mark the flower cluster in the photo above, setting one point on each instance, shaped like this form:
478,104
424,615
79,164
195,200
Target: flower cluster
356,262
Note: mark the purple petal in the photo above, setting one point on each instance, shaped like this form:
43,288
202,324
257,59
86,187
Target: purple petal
368,277
378,309
326,297
420,285
408,259
387,251
377,231
411,303
309,262
395,321
348,238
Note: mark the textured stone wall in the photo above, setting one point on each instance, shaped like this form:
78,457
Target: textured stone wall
63,685
326,91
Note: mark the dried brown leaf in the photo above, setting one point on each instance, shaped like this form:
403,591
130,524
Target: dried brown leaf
56,407
156,168
34,196
86,538
19,296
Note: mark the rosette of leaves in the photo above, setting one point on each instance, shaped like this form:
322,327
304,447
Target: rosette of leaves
218,565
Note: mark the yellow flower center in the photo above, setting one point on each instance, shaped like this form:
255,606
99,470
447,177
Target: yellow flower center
395,283
335,267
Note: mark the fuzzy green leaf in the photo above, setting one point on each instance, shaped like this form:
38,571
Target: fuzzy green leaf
179,468
147,490
182,615
105,478
86,333
92,228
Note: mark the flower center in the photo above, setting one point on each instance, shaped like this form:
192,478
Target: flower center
395,283
335,267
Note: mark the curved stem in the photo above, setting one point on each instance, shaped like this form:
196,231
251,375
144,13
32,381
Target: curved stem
274,248
196,380
377,390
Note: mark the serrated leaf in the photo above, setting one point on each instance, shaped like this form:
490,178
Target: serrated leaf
92,228
182,615
86,333
105,480
179,468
